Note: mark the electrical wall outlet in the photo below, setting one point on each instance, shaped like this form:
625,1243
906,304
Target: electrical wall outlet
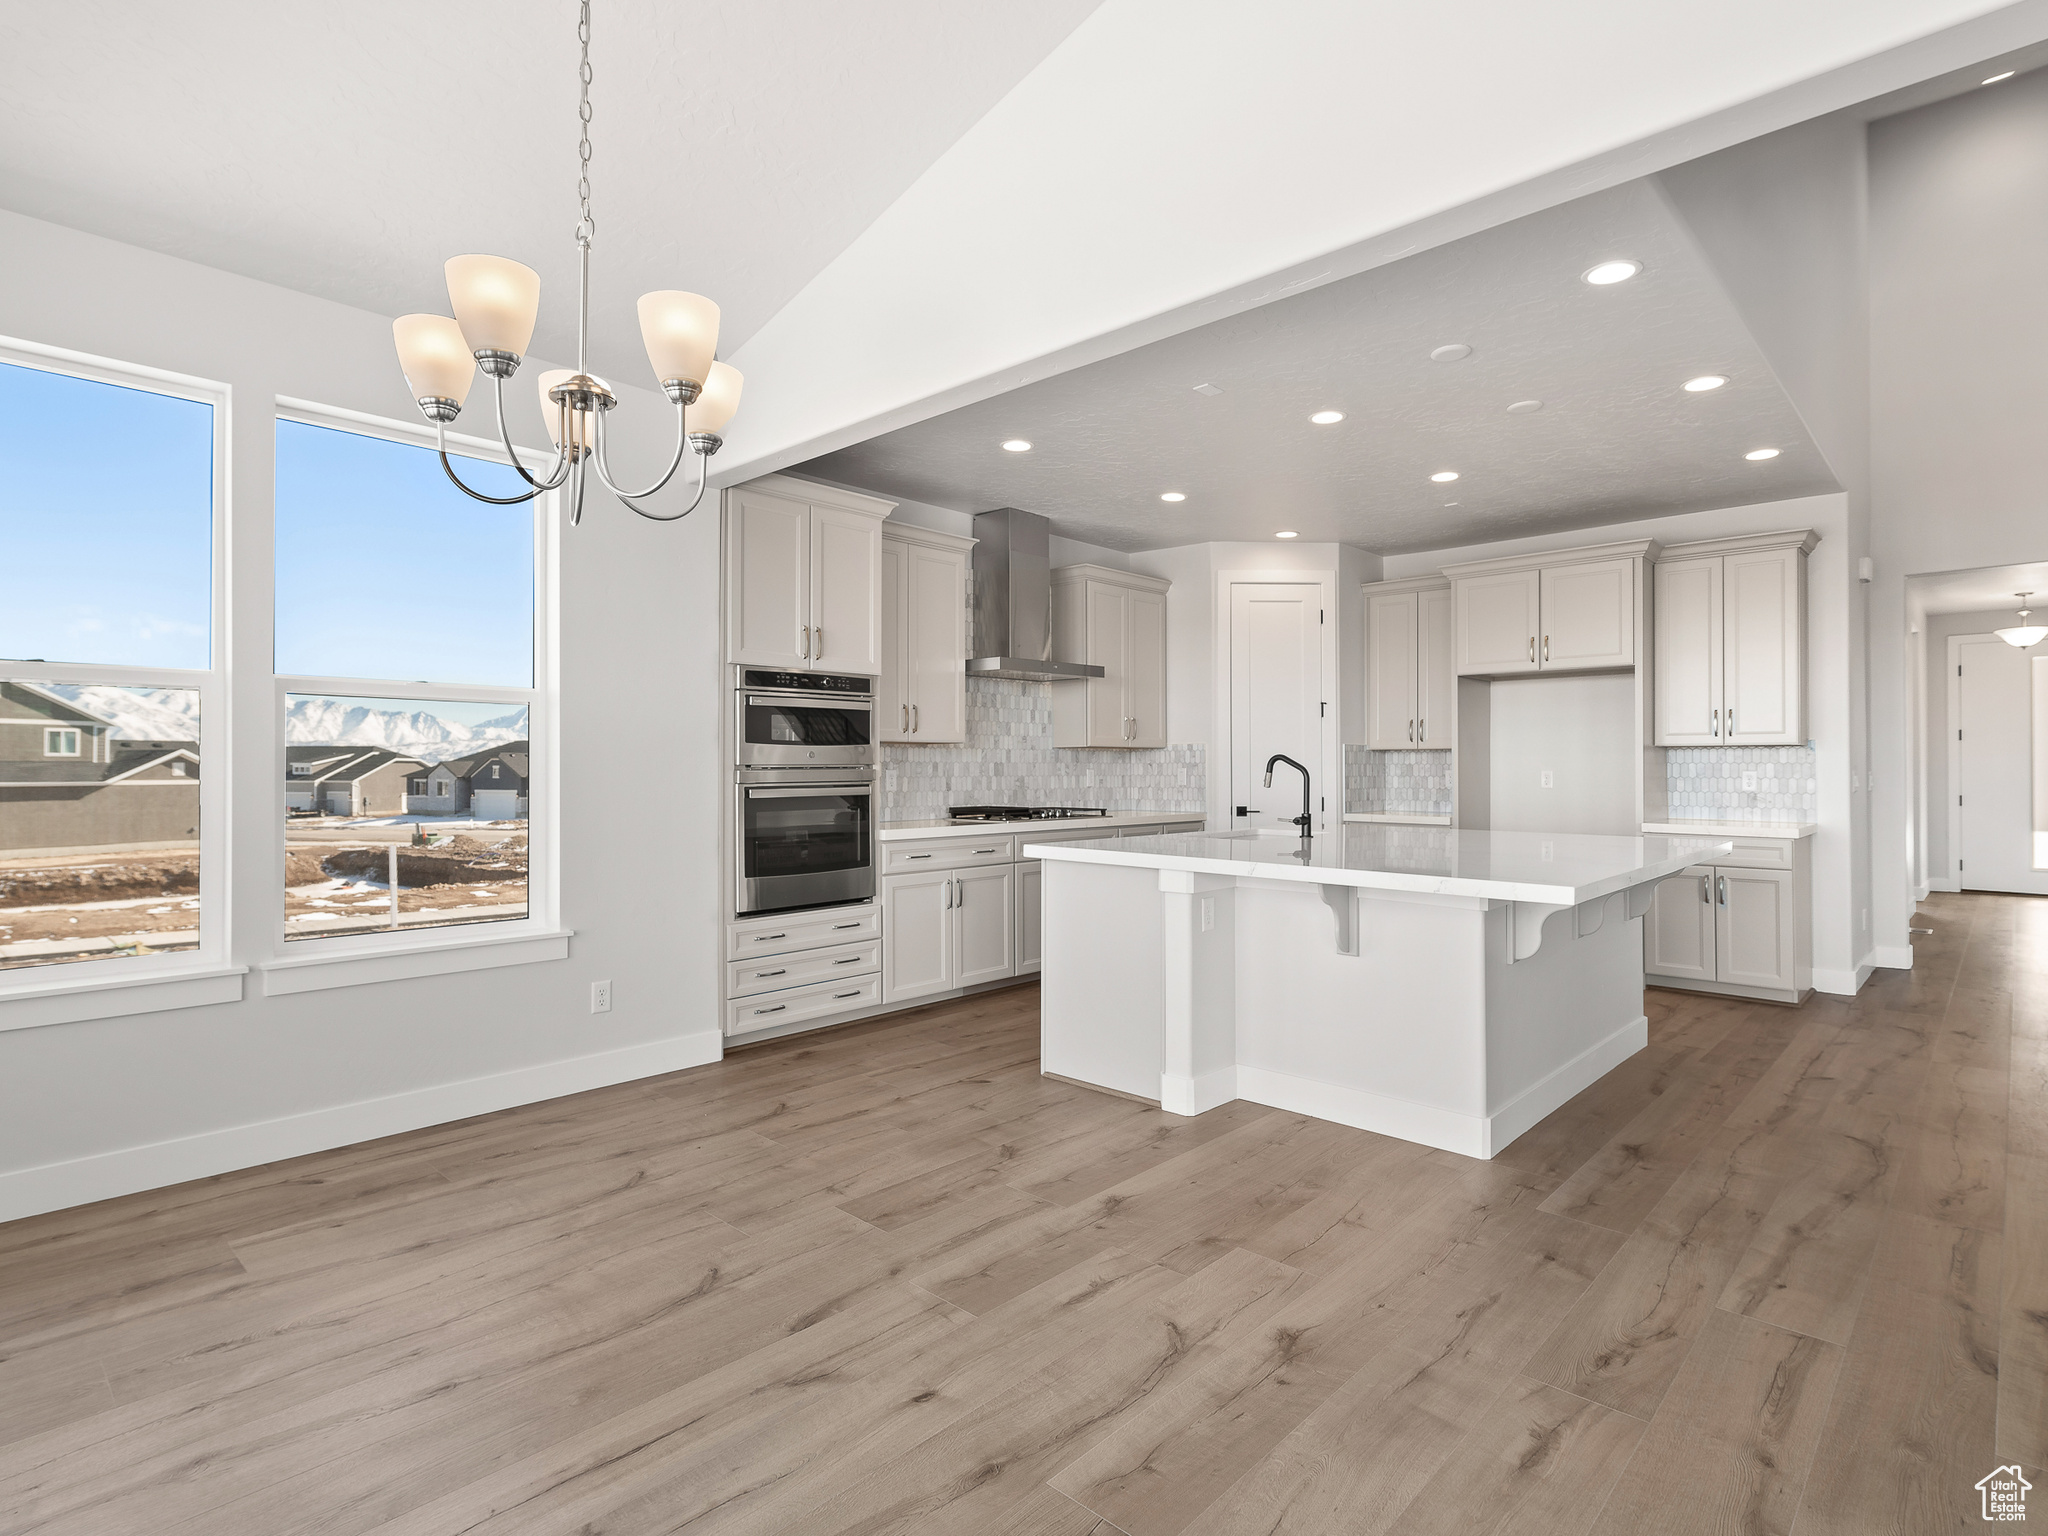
1546,779
600,997
1749,781
1208,914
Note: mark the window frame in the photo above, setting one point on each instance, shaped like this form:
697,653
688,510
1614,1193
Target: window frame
343,959
61,732
208,960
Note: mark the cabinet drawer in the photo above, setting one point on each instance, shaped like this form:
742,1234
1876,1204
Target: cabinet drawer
759,936
776,972
947,853
1760,853
744,1015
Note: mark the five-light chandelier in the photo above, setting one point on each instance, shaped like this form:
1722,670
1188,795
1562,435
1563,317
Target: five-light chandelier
496,302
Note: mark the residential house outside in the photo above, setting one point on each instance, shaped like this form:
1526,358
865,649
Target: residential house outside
449,788
347,781
67,783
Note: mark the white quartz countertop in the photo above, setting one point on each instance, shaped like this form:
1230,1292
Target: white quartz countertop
1559,868
1785,829
899,831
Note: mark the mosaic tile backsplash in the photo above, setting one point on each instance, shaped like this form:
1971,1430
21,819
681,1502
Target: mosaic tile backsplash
1009,759
1397,783
1705,783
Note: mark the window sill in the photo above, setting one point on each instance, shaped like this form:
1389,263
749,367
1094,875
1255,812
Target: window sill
67,1001
317,973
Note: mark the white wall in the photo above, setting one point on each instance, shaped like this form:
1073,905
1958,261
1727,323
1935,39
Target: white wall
1959,325
1580,731
1837,960
1783,223
224,1086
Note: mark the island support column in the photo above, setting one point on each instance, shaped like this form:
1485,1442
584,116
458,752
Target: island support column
1198,978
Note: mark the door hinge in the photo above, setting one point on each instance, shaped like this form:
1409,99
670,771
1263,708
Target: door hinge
1959,735
1959,669
1319,615
1959,799
1325,710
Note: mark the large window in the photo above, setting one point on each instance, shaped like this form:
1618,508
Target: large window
109,490
408,622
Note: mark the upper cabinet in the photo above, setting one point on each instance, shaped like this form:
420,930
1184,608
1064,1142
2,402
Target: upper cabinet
922,696
1731,642
1575,610
803,576
1411,680
1115,620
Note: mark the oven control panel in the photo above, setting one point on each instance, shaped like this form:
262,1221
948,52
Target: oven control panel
808,682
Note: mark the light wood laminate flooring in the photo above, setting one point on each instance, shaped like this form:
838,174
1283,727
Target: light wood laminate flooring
1786,1270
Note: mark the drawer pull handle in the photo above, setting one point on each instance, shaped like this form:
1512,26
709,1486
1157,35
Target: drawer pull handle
854,993
766,938
917,856
836,927
850,960
764,974
776,1009
984,850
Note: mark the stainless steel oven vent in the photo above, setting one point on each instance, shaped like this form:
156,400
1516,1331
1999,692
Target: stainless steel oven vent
1013,600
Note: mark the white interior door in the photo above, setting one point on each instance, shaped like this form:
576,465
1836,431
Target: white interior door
1991,704
1276,694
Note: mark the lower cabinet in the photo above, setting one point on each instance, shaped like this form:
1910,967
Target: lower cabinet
1731,928
947,928
1030,916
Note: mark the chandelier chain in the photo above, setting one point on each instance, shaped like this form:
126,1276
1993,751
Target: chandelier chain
585,226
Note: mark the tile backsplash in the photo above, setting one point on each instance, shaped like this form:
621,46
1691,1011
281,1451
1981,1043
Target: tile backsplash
1009,759
1706,783
1399,783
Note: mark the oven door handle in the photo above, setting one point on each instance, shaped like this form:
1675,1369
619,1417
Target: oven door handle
808,791
852,703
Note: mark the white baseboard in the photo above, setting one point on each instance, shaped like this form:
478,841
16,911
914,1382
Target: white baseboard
1893,957
55,1186
1198,1095
1839,983
1472,1135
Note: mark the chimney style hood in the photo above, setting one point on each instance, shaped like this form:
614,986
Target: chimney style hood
1013,600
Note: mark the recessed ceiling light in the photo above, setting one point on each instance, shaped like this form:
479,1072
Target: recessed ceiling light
1208,389
1454,503
1611,272
1173,495
1703,383
1327,418
1456,352
1996,78
1017,445
1289,534
1444,476
1525,407
1761,453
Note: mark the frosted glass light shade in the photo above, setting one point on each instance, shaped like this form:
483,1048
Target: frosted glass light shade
2023,635
720,399
435,356
681,333
552,413
495,301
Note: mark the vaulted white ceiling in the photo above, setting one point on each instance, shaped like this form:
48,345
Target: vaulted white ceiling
347,150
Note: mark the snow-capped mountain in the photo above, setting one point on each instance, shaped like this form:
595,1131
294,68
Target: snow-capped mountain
172,714
139,714
417,732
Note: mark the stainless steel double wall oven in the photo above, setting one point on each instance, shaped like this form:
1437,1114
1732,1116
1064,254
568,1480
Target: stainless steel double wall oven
804,790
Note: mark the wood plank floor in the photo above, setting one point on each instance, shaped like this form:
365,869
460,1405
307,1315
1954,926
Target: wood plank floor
1784,1271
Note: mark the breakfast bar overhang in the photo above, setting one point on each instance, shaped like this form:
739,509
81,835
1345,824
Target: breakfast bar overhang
1445,986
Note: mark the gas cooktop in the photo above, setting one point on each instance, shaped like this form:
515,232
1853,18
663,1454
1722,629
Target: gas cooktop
1023,812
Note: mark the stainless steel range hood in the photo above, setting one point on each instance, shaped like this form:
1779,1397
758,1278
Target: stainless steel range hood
1013,600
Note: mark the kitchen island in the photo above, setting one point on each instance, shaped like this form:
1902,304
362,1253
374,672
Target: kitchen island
1448,987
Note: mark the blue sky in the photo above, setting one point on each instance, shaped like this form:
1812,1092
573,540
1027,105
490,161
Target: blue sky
384,569
106,508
